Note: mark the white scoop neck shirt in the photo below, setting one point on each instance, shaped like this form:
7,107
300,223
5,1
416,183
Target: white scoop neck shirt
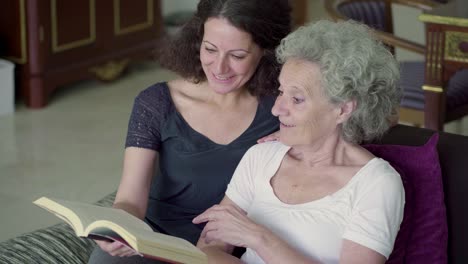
368,210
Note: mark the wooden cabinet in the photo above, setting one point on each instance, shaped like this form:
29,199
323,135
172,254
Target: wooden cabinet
55,42
299,12
447,53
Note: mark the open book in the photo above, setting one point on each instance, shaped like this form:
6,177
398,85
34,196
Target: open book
113,224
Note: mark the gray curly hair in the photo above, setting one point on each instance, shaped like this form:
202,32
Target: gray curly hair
354,66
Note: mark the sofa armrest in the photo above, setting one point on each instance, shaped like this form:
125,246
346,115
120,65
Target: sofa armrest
53,244
454,165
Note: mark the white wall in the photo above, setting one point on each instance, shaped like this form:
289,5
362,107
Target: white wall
316,10
462,8
407,25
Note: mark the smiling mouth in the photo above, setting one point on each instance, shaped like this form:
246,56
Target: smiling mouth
221,78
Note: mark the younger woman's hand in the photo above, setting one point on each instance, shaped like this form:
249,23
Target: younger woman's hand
117,248
272,137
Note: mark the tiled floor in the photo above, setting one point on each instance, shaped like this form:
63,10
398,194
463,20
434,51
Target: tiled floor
71,149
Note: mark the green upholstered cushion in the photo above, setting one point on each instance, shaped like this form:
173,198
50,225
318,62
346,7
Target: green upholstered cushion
54,244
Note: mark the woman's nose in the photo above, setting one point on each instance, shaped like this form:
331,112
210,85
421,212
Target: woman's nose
279,107
221,65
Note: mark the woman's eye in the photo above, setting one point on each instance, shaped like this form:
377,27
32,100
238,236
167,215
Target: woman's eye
209,50
297,100
237,57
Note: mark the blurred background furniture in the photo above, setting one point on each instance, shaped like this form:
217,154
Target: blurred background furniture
416,107
299,12
55,42
451,149
446,75
7,87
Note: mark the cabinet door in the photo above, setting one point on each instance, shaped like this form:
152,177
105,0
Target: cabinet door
13,30
87,32
61,41
67,31
299,12
133,23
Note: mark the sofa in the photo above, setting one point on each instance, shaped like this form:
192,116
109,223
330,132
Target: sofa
453,158
53,244
58,244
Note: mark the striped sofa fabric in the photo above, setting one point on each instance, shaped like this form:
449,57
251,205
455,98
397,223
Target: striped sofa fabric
54,244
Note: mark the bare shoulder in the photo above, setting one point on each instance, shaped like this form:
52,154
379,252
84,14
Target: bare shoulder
182,90
177,87
358,155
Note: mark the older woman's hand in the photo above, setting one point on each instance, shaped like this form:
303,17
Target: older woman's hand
229,224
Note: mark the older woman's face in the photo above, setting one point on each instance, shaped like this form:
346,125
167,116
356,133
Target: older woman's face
229,56
306,115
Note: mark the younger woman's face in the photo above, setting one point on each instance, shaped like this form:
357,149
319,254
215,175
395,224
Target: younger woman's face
228,55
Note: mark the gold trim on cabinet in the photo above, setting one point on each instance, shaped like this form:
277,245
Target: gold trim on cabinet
148,23
24,56
452,51
453,21
110,70
433,63
435,89
92,29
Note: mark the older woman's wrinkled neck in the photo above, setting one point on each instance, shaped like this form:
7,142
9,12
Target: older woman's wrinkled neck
326,151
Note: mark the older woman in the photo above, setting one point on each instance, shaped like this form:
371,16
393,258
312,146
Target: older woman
196,128
316,195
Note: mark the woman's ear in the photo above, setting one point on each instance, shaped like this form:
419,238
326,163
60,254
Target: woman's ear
346,109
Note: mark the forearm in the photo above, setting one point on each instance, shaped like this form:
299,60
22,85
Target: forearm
273,249
217,251
138,169
133,200
131,209
217,255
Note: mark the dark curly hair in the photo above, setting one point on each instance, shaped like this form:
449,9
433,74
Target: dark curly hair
267,21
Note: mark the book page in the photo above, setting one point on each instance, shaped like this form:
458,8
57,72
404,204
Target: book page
116,224
172,243
89,213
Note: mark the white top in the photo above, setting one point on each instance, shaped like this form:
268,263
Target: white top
368,210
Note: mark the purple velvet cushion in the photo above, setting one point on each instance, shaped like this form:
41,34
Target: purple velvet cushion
423,233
